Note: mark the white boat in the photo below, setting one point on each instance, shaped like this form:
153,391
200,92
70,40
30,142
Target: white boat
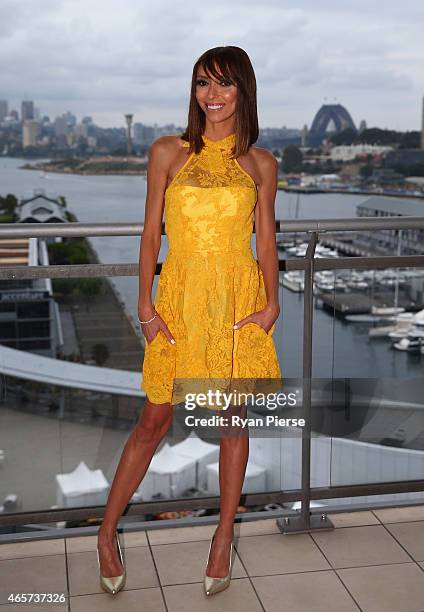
362,318
323,251
295,248
413,343
387,309
294,280
326,280
325,286
407,322
357,284
368,318
401,330
381,331
402,324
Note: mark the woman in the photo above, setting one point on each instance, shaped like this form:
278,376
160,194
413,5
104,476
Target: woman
215,307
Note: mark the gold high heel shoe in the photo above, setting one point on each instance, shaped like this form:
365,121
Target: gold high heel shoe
215,584
113,584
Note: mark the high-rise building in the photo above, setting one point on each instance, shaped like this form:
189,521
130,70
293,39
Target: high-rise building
143,134
70,119
4,109
422,126
61,127
27,110
81,130
30,133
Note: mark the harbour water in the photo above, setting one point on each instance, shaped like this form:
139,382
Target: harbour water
341,349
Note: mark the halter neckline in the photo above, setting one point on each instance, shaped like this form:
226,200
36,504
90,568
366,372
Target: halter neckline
223,143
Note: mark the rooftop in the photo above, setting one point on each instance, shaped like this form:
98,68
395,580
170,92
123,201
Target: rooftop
372,561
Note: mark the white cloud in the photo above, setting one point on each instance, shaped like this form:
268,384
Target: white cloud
105,58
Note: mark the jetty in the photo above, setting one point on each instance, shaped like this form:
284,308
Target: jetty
357,303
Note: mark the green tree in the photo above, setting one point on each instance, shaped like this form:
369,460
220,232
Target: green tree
64,286
345,137
8,204
410,140
376,136
89,288
292,158
100,353
58,253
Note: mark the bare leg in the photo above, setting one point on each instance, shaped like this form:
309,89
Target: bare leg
233,458
154,422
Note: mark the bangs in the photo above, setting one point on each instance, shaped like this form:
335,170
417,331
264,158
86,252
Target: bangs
224,64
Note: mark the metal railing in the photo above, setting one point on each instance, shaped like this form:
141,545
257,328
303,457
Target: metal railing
306,520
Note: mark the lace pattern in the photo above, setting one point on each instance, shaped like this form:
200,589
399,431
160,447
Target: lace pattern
209,280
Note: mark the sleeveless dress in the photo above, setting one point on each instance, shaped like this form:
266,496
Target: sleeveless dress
209,280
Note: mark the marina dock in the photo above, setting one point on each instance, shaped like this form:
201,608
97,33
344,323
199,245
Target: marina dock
358,303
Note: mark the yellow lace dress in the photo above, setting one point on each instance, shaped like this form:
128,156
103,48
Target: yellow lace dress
209,280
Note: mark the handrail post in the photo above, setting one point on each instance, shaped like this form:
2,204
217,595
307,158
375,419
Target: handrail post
305,522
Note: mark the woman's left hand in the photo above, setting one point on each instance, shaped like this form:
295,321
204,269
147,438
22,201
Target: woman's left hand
265,318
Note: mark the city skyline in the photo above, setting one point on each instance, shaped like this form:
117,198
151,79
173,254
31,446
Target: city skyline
104,61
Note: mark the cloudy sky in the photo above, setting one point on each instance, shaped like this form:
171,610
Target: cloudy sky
104,58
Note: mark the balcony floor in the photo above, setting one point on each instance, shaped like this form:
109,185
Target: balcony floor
372,561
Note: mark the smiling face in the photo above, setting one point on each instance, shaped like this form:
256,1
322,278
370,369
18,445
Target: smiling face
217,98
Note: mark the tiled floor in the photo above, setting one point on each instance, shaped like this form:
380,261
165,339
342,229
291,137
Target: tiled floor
372,562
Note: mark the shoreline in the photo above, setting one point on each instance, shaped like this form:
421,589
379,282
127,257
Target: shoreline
100,167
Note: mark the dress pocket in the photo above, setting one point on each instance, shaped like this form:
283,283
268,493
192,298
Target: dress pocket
268,333
154,339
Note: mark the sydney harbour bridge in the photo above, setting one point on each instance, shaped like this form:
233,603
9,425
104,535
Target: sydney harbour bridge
329,119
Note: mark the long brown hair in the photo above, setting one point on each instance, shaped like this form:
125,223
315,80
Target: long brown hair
235,66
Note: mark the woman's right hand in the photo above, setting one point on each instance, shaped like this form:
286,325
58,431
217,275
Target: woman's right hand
150,330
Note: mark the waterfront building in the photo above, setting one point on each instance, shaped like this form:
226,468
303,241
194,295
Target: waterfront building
384,206
41,209
29,315
350,152
404,157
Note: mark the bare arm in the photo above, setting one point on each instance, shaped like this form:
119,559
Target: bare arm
151,236
266,247
161,154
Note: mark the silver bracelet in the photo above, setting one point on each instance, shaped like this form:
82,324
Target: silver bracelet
147,321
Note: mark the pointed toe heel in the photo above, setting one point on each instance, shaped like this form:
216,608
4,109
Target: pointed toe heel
213,584
113,584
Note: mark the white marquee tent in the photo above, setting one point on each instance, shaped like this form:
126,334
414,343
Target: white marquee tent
254,482
169,474
82,487
202,452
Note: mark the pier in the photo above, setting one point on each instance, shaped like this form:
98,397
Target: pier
316,189
343,245
348,248
360,303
